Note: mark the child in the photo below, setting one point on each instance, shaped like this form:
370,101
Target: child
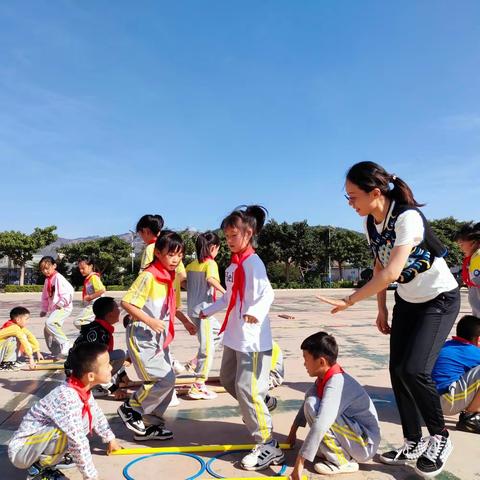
93,288
343,420
150,302
247,339
202,283
468,239
57,303
14,334
101,330
61,421
277,369
457,374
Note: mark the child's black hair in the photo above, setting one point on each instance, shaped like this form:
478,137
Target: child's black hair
153,222
18,312
103,306
321,344
468,327
47,259
87,259
82,358
203,243
469,232
170,242
245,216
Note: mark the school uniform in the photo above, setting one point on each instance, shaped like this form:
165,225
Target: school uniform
57,302
92,284
199,296
14,338
149,350
277,368
471,278
247,349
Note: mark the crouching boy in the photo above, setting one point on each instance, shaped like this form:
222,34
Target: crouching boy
60,422
343,421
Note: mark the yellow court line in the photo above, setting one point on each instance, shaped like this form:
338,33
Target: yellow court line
191,449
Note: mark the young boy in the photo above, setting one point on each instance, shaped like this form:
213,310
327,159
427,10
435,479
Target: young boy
13,335
457,374
61,421
57,303
101,330
343,420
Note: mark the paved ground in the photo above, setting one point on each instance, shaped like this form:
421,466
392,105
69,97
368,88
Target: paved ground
363,353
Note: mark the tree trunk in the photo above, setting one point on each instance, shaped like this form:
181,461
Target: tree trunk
22,274
287,272
340,270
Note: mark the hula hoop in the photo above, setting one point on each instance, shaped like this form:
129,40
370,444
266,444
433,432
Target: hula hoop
200,460
213,473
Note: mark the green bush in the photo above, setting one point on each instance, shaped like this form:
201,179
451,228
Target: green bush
23,288
116,288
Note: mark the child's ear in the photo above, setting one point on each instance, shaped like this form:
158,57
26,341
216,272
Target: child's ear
91,377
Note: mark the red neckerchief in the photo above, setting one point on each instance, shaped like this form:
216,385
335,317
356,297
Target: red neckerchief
151,241
162,275
49,284
238,287
7,324
463,340
84,395
85,282
206,259
465,274
333,370
110,329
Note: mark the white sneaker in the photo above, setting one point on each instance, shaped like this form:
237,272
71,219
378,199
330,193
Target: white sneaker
262,456
199,391
327,468
178,368
65,349
174,402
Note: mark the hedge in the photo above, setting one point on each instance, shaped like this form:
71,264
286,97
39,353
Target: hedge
23,288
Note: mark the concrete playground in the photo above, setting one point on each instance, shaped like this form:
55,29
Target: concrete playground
363,353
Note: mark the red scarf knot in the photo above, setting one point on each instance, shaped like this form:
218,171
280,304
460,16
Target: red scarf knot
49,284
335,369
84,395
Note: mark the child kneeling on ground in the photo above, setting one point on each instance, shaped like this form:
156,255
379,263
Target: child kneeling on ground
457,375
60,422
343,421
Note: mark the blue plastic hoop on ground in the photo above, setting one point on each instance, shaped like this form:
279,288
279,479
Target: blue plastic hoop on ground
223,454
200,460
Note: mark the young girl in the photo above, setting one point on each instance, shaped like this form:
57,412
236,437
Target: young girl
150,302
57,303
427,302
248,339
93,288
468,239
203,282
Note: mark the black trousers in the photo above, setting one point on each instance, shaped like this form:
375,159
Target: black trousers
419,331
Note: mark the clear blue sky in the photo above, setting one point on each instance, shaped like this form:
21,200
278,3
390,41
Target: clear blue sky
109,110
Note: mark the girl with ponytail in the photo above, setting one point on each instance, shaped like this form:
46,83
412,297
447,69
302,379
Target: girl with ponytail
247,337
427,302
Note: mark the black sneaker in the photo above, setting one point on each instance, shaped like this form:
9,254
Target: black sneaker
45,474
409,451
469,422
431,463
9,366
66,462
271,402
155,432
132,419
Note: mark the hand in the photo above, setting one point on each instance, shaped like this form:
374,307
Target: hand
296,475
292,436
190,328
202,315
39,356
338,304
158,326
43,314
113,446
58,307
31,363
87,298
382,322
250,319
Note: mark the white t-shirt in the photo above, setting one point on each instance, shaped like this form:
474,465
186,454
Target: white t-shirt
426,285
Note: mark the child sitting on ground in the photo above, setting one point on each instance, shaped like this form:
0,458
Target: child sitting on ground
457,374
14,336
101,330
343,420
60,421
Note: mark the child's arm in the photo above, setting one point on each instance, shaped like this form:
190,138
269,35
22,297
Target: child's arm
213,282
155,324
33,343
220,304
64,292
99,289
190,327
19,334
259,294
44,300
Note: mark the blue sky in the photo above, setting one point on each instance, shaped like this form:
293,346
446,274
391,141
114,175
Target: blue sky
109,110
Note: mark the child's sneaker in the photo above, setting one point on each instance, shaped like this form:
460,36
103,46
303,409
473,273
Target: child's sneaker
132,419
469,422
262,456
431,463
66,462
189,368
327,468
178,368
174,402
45,473
9,366
271,402
65,349
409,451
155,432
199,391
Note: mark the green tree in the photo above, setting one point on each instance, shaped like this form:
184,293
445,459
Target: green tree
446,229
20,247
347,246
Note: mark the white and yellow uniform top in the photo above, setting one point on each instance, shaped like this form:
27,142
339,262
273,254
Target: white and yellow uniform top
24,336
200,294
94,285
474,275
148,257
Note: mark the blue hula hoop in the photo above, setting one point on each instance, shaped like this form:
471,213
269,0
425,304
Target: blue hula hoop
223,454
200,460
